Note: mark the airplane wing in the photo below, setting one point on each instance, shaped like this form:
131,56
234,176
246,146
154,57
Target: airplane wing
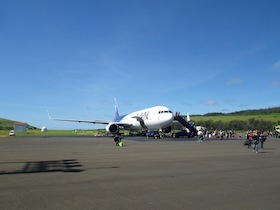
78,120
106,122
82,121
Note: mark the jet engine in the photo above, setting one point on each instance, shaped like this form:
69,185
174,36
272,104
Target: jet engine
112,128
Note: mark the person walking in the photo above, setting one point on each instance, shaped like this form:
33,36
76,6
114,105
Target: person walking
250,140
117,139
256,142
199,136
262,139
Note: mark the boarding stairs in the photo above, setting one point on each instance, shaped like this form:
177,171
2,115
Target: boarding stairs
181,120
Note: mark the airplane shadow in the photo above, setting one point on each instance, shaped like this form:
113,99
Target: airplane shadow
46,167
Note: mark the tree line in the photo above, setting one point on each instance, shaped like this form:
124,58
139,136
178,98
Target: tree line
251,123
237,124
5,126
246,112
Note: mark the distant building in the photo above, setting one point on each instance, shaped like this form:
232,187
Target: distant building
20,127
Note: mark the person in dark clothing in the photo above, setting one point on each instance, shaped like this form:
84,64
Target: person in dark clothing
117,139
256,142
262,139
249,140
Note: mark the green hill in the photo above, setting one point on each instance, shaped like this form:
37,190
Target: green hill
273,117
6,124
253,112
263,119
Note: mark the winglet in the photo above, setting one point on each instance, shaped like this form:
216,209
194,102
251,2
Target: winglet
49,115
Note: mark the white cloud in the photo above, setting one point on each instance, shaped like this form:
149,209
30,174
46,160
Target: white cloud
209,102
277,65
234,81
275,84
225,110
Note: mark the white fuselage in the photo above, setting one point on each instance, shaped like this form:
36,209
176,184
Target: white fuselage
151,118
154,118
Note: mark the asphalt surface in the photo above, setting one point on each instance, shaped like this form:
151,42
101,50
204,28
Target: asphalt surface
92,173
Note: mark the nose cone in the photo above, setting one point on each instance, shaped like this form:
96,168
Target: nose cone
168,119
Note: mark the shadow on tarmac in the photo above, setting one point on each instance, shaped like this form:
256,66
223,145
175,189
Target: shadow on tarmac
46,167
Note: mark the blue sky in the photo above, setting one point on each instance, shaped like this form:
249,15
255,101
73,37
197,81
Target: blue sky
196,56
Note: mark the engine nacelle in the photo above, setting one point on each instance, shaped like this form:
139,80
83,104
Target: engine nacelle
112,128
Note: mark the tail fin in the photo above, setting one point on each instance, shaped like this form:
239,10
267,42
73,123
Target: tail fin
116,109
188,117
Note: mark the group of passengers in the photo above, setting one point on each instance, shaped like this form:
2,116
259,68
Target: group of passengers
229,134
253,138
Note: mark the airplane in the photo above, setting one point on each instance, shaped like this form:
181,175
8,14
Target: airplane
153,118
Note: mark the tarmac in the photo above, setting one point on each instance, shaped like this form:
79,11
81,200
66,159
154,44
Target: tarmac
92,173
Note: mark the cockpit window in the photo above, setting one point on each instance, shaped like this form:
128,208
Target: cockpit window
166,111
